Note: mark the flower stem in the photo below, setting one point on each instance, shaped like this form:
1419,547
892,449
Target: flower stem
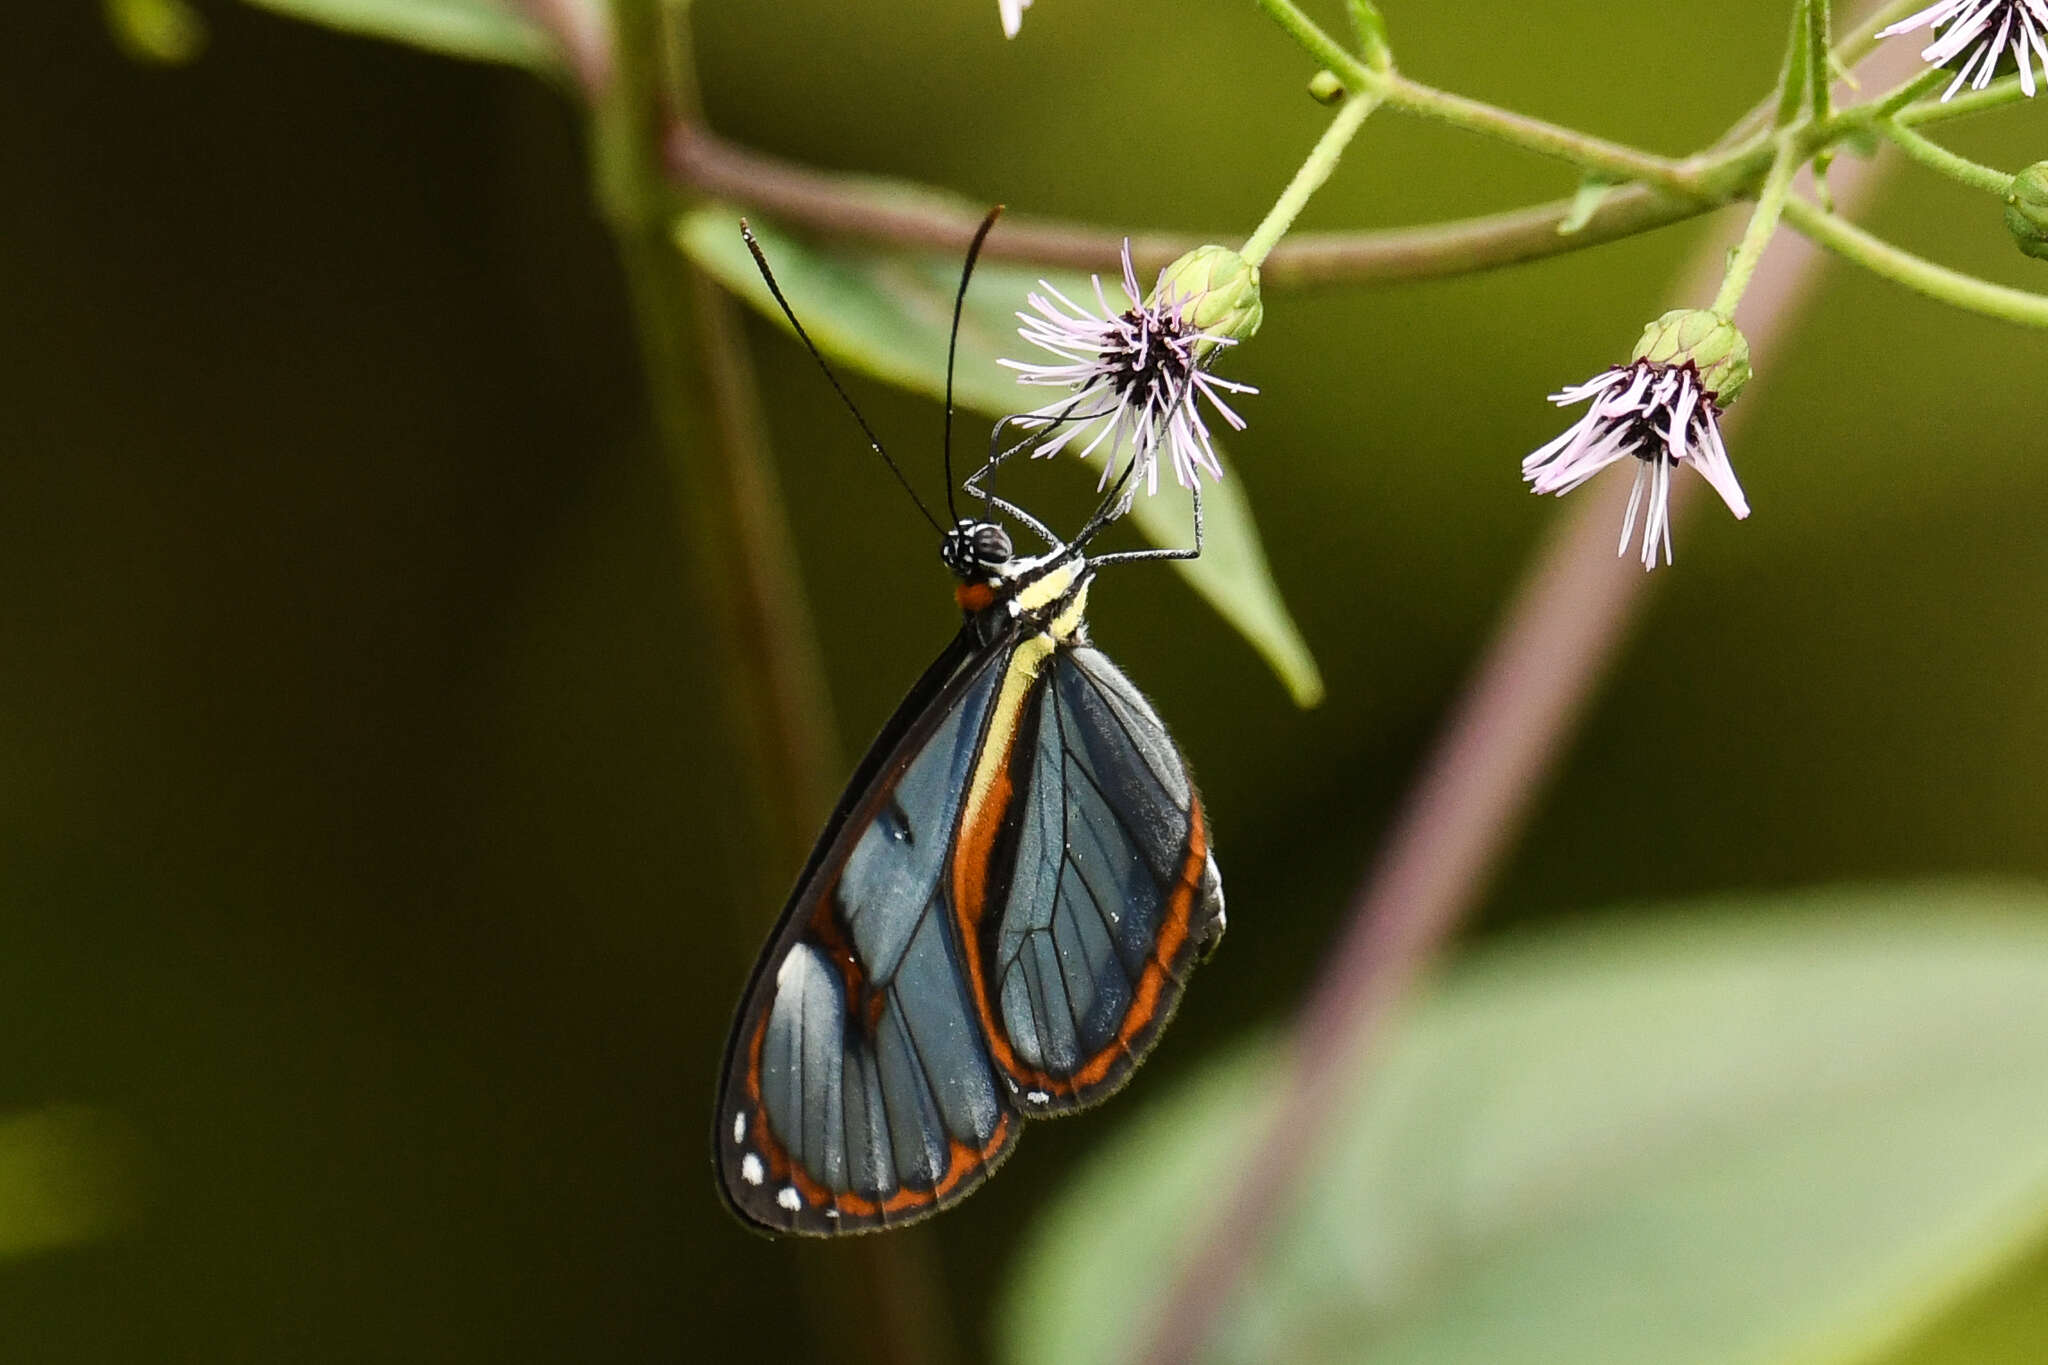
1763,223
1936,157
1998,94
1938,282
1322,159
1908,91
1615,160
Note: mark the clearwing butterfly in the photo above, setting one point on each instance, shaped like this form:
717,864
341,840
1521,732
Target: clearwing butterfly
998,919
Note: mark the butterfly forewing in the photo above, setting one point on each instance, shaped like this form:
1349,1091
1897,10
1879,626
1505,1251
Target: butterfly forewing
858,1088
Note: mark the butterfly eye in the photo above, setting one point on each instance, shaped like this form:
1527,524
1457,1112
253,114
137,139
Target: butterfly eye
992,548
976,549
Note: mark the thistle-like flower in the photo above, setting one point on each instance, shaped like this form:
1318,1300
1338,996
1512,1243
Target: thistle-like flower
1013,15
1664,409
1138,372
1984,30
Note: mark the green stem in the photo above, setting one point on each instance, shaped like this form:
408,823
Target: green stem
1908,91
1997,95
1792,81
1936,157
1937,282
1615,160
1820,67
876,209
1770,203
1322,159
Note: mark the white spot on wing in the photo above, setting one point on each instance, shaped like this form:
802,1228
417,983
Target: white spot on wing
789,1198
1036,1096
739,1127
750,1169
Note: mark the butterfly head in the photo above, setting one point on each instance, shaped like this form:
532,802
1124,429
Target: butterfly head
976,551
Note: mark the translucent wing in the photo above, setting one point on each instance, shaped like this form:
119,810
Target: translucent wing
858,1089
1097,895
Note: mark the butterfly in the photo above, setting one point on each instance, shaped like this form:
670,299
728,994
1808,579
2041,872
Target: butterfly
999,917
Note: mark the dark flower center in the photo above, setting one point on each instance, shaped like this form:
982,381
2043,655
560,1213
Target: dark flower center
1153,363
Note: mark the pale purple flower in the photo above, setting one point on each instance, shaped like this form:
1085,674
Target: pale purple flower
1013,15
1659,415
1985,30
1136,375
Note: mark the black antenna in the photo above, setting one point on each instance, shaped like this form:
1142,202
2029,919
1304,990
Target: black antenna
874,441
953,346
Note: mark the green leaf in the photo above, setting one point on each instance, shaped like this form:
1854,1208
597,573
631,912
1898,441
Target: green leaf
161,32
1592,192
1793,1134
67,1175
477,30
2006,1321
886,314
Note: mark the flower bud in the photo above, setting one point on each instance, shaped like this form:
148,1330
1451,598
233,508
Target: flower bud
2026,210
1218,292
1325,88
1716,349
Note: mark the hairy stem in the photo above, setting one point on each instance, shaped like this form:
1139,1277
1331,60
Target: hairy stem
1763,224
1589,153
1322,160
1936,157
1845,239
892,212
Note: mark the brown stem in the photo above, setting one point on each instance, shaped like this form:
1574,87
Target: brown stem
888,212
1553,646
583,30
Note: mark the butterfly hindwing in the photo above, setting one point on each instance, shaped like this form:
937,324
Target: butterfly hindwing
1096,891
858,1090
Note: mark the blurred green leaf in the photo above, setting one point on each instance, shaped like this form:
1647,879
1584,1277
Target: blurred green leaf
165,32
67,1175
887,314
2006,1321
477,30
1794,1134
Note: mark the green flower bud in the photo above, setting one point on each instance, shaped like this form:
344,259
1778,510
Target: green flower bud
1713,345
1325,88
2026,210
1218,291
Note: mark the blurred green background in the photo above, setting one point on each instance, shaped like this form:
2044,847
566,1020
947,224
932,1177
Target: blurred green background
373,853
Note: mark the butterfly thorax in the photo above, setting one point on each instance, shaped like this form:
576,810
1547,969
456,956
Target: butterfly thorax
1047,595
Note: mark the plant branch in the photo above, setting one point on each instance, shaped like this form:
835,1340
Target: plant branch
1936,157
892,212
1793,80
583,30
1322,160
1589,153
879,210
1763,224
1917,273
